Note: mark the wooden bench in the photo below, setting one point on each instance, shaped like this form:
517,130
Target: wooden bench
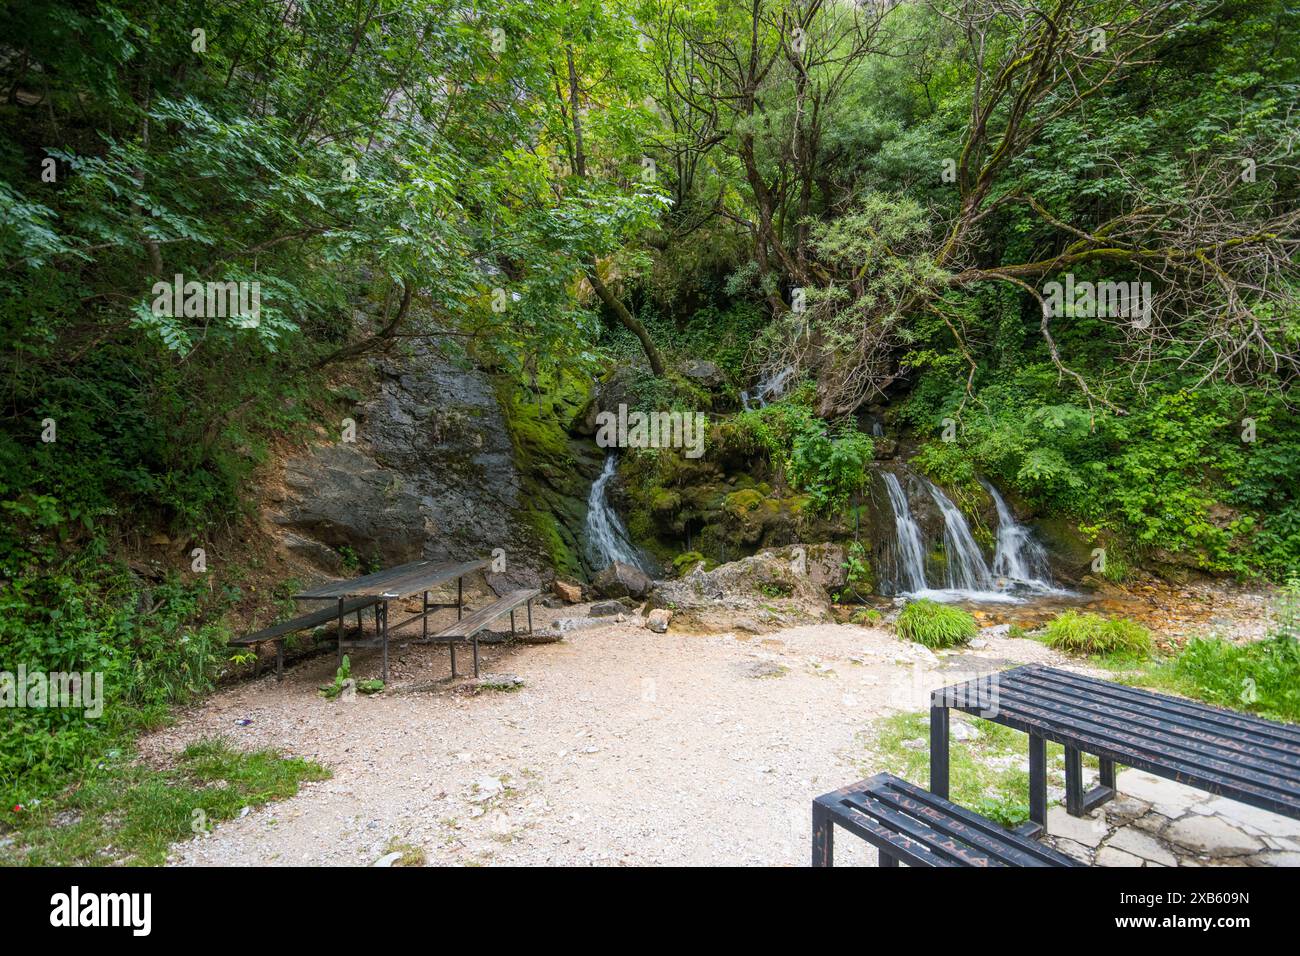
469,626
906,824
278,632
1233,755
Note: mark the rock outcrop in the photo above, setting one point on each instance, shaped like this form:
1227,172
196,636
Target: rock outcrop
760,593
431,474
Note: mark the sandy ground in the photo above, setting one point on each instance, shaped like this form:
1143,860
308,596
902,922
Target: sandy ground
622,747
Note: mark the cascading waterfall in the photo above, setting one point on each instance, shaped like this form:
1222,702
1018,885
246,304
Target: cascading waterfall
607,539
966,569
1019,558
911,556
1019,561
771,385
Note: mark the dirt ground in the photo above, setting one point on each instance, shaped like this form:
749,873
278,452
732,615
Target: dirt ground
622,747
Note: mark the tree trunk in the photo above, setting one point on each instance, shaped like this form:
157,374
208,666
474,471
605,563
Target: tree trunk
612,302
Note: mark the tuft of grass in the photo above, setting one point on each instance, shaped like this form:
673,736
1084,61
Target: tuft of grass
867,617
1085,633
935,625
412,855
128,813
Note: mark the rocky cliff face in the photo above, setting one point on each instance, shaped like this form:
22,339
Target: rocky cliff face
433,473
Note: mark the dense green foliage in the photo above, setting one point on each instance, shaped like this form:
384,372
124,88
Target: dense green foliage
935,625
872,198
828,463
1085,633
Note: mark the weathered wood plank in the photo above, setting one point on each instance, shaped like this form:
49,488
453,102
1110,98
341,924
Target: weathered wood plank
471,624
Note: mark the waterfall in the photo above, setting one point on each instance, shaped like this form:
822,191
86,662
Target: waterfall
1019,558
911,556
771,385
607,539
966,569
967,575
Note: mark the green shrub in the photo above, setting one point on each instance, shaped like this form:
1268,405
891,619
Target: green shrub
152,649
1262,676
1086,633
935,625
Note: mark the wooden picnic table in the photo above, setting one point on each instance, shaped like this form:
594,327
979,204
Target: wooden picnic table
396,584
1231,754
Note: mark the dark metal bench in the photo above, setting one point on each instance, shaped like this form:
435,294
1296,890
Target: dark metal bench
469,626
1234,755
906,824
278,632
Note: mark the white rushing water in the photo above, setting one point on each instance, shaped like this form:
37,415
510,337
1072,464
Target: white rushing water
771,385
1019,558
607,539
911,556
966,569
1019,562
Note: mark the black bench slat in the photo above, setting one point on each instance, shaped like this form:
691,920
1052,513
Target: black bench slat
1274,747
302,622
1286,736
1086,715
919,828
934,838
969,826
471,624
1155,743
1132,750
880,836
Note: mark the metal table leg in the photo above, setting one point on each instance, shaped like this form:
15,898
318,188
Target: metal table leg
823,837
1078,801
939,750
1037,788
385,638
341,615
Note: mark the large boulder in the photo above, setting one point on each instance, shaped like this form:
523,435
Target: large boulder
704,373
622,580
761,593
823,563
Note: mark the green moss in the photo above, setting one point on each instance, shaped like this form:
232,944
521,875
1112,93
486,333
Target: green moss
740,502
554,487
689,559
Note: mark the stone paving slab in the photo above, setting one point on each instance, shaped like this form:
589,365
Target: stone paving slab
1157,822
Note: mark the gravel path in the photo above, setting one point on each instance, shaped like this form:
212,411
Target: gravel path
622,747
